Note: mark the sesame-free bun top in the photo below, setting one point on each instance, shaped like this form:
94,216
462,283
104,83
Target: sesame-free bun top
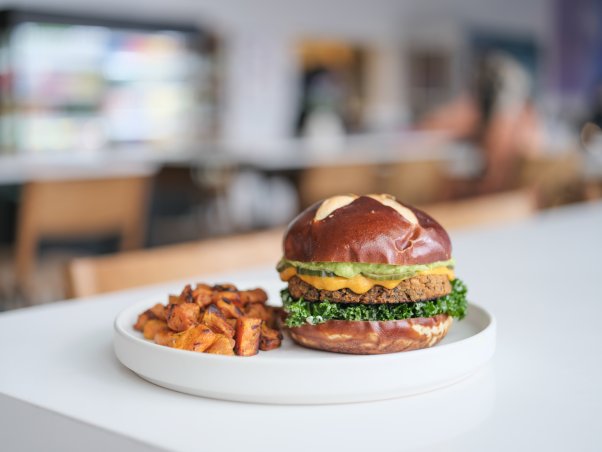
374,229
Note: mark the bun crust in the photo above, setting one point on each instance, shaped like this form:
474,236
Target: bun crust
371,337
366,230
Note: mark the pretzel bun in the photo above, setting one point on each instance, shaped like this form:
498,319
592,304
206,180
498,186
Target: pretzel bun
371,337
373,229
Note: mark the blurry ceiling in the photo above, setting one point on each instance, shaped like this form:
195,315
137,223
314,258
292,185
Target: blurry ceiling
351,18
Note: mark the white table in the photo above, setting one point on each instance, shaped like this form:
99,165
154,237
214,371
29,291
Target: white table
62,388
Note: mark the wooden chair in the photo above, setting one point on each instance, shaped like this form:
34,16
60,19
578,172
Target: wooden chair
415,182
484,210
325,181
94,275
556,179
79,208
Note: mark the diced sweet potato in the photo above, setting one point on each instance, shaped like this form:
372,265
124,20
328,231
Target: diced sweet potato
143,319
270,338
223,287
223,345
268,314
152,326
202,295
187,296
202,287
229,309
214,319
165,336
180,317
248,333
253,296
232,297
257,311
159,311
277,317
198,339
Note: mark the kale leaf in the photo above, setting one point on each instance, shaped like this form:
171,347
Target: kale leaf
300,311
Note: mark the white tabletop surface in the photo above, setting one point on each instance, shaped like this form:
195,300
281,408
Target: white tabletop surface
61,387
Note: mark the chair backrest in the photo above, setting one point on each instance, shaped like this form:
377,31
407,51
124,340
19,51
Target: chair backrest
415,182
94,275
484,210
556,179
67,208
325,181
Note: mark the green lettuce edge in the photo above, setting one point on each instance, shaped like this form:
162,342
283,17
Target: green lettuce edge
301,312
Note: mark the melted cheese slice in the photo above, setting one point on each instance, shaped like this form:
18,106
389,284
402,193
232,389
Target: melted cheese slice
359,284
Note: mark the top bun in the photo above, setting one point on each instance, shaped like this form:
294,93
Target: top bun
374,229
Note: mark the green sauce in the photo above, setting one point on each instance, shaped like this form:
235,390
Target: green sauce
351,269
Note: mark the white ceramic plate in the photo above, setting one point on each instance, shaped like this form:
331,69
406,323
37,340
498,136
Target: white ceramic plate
296,375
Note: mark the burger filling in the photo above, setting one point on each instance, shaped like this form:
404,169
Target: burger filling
417,288
302,311
322,291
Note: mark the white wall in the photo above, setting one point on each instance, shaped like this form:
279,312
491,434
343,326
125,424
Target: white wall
258,89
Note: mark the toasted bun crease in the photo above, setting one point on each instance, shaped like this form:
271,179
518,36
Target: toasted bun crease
366,230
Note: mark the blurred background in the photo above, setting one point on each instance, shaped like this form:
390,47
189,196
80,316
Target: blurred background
168,127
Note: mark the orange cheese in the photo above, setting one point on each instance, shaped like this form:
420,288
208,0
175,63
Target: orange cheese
359,283
288,273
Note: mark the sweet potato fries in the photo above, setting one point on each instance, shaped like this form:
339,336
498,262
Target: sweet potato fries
216,319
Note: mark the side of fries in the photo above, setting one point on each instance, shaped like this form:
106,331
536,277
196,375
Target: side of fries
216,319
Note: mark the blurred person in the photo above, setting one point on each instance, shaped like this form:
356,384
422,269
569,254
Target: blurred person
498,116
509,126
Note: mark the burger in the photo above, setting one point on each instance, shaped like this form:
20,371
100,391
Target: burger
368,275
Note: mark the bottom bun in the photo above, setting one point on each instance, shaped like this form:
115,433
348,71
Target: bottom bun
372,337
